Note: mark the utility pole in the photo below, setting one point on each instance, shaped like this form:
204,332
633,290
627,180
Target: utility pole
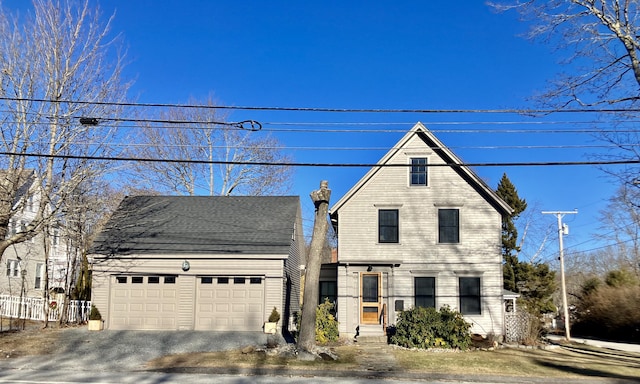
561,230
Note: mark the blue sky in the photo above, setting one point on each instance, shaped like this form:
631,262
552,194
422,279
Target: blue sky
370,55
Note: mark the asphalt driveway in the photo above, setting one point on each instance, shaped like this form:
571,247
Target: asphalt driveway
130,350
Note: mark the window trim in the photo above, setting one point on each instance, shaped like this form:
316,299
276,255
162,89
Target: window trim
396,226
415,293
425,172
467,296
13,268
441,227
39,276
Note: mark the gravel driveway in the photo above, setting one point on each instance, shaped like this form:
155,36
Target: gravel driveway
130,350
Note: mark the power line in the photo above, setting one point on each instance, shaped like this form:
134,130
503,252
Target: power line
520,111
345,165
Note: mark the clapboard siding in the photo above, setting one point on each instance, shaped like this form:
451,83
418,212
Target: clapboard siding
213,265
418,252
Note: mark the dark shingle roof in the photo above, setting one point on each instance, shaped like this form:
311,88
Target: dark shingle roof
199,224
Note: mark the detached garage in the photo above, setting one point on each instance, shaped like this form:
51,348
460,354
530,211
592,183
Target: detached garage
198,263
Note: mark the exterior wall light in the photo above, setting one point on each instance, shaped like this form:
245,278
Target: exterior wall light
186,266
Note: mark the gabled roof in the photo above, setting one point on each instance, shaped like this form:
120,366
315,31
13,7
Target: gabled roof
200,225
445,153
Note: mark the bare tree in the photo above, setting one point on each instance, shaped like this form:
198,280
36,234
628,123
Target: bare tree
307,337
56,65
602,41
200,137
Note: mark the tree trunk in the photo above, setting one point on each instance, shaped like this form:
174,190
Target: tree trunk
307,338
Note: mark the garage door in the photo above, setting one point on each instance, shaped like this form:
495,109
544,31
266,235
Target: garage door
143,302
229,303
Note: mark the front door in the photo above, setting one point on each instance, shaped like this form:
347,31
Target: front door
370,298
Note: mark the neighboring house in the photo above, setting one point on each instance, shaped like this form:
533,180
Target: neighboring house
419,229
24,262
197,262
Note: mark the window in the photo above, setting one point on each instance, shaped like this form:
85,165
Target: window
153,279
328,291
388,226
39,275
425,292
255,280
238,280
418,171
448,226
470,296
169,279
13,268
56,237
136,280
121,279
223,280
206,280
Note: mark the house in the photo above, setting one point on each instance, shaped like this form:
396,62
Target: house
198,263
24,262
419,229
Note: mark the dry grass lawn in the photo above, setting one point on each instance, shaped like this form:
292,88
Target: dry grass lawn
570,361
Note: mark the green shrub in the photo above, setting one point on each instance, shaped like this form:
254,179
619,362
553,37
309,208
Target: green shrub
274,317
95,313
326,323
429,328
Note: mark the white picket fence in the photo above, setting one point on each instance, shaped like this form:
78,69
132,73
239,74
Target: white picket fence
33,308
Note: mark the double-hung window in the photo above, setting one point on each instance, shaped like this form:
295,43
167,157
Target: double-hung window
39,275
13,268
418,174
388,226
470,300
425,292
449,226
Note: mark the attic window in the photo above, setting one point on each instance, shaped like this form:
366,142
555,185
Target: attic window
418,171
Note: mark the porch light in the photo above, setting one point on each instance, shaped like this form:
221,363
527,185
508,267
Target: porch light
185,265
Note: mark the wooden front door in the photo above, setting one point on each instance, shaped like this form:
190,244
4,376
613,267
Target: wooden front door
370,298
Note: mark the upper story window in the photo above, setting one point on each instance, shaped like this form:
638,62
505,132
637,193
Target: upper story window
388,226
13,268
418,175
470,303
448,226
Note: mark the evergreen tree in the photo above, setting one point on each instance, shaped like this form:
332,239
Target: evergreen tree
507,191
534,282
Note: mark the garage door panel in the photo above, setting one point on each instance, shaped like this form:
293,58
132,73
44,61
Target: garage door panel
143,306
236,306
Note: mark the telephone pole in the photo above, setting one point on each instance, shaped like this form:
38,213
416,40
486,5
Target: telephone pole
561,231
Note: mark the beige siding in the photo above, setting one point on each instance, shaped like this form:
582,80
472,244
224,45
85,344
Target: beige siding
418,252
271,270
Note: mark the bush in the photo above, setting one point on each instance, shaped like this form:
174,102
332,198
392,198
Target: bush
429,328
95,313
274,317
326,323
612,313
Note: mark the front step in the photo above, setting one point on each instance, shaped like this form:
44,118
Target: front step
371,339
371,334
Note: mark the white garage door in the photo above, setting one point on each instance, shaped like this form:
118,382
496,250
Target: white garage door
229,303
143,302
